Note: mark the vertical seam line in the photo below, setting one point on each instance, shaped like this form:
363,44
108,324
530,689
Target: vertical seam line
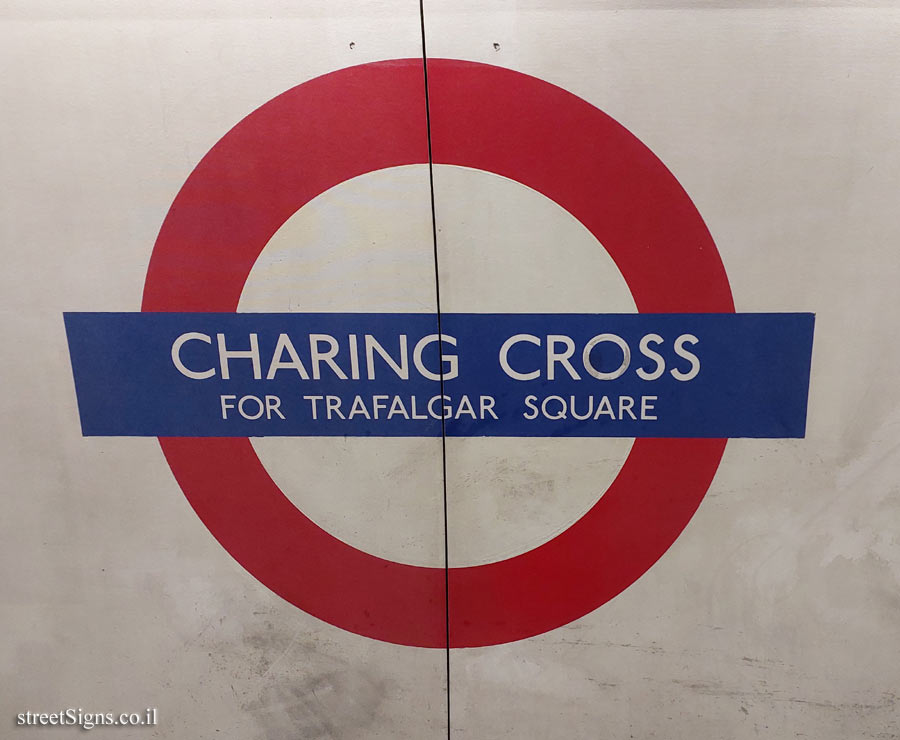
437,293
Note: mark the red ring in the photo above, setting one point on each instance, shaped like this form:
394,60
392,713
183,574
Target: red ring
371,117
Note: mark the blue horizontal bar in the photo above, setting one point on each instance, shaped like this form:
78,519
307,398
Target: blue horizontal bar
374,374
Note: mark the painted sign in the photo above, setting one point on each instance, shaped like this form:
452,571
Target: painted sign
680,376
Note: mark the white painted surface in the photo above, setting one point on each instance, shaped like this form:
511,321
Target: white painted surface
349,250
775,613
115,595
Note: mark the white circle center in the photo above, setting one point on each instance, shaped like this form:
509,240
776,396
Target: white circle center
366,246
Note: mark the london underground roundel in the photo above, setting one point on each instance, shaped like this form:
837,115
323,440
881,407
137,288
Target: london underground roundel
681,376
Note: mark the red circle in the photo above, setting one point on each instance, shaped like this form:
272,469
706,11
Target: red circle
371,117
